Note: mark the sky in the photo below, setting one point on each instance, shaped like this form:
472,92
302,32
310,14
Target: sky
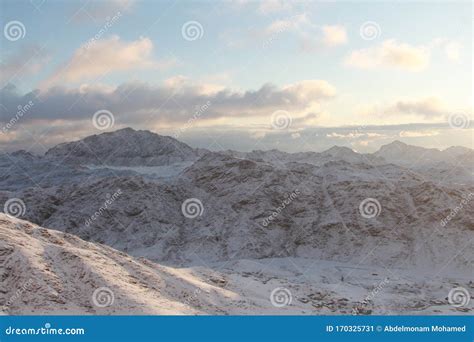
243,75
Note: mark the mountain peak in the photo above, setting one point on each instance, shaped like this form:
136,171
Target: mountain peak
396,144
339,151
124,147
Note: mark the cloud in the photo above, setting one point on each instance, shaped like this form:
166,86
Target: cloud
334,35
427,108
453,51
368,139
390,54
28,61
417,134
272,6
310,36
105,56
171,103
354,135
451,48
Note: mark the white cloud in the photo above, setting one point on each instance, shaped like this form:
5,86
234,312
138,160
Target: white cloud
353,135
451,48
106,56
417,134
334,35
311,90
295,135
310,35
390,54
427,109
453,51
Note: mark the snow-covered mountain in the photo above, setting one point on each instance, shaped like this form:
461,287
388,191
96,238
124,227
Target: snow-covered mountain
129,189
48,272
452,165
409,155
125,147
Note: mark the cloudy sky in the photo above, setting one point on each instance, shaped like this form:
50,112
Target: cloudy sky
244,75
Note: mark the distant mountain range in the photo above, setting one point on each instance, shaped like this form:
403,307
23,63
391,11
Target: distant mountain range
129,189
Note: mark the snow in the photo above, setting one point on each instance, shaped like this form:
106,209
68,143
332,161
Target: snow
226,261
61,273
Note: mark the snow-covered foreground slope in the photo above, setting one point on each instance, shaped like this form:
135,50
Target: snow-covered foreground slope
49,272
58,273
